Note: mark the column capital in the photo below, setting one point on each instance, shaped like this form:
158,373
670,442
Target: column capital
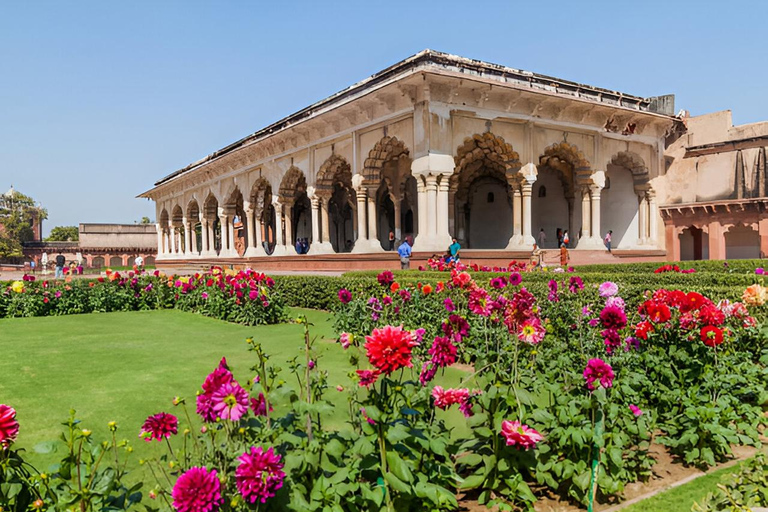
433,164
528,174
595,189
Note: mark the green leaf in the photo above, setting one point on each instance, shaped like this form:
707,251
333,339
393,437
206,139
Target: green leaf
399,467
472,482
397,484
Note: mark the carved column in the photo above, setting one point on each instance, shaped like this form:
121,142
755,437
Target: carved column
362,234
288,218
171,239
211,240
441,212
258,237
517,212
250,239
421,205
231,251
187,238
596,228
280,248
398,221
431,206
642,218
223,229
325,229
315,201
160,248
372,220
528,239
586,214
653,219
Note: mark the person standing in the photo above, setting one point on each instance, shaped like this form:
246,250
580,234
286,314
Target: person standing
138,263
60,261
607,240
542,237
564,256
391,240
404,251
566,238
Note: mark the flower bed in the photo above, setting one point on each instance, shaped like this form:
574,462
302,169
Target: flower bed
245,297
570,385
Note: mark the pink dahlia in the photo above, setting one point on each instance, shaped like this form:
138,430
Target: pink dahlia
367,377
428,372
345,339
608,289
259,474
444,398
443,352
598,370
205,408
197,490
517,434
386,278
160,426
613,317
389,348
259,405
230,401
531,331
636,410
9,427
479,302
345,296
515,278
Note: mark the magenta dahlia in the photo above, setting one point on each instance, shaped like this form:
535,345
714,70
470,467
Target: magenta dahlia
197,490
443,352
259,474
598,370
160,426
230,401
9,427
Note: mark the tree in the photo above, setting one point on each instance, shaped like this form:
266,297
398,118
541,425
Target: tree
18,216
64,234
145,220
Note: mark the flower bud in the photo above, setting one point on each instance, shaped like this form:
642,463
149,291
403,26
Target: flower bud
112,426
86,432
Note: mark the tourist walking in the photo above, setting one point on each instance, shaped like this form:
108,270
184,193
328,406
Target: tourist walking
607,240
404,251
60,261
559,237
391,240
564,256
542,238
566,238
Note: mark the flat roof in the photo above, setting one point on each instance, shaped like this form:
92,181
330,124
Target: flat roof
431,59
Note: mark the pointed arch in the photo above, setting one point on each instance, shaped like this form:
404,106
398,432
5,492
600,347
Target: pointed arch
293,184
335,170
635,164
193,210
386,150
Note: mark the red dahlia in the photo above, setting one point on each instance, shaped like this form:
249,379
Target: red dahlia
389,348
9,427
711,336
159,427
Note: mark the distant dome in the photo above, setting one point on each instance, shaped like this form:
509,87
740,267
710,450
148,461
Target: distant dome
11,192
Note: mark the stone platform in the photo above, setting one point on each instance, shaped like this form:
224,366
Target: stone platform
390,261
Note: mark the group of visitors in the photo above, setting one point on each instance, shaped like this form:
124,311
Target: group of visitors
302,245
563,240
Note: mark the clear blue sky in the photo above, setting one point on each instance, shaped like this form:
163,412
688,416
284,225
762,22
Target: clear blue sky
100,99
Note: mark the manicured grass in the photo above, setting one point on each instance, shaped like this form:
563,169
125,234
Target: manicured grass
126,366
682,498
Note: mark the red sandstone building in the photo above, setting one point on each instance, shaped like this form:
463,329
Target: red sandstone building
101,245
717,180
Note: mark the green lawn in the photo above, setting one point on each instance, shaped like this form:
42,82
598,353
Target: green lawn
126,366
682,498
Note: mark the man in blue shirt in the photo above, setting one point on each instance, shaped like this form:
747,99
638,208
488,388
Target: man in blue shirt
404,251
454,248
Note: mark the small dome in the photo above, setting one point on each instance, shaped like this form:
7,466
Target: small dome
11,192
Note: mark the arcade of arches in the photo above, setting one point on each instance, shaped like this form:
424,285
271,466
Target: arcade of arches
484,195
